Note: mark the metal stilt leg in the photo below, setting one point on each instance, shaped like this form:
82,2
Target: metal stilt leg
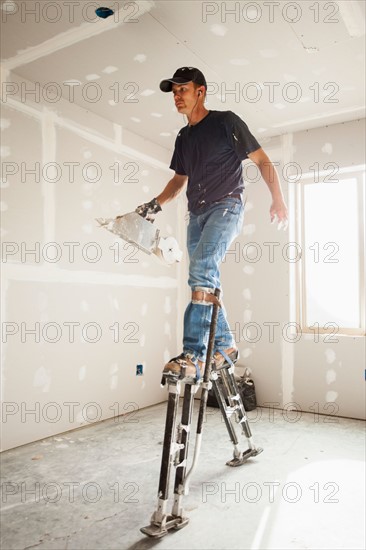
160,520
175,450
175,453
183,439
176,438
231,403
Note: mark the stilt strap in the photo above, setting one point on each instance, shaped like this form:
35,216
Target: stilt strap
205,296
198,372
226,357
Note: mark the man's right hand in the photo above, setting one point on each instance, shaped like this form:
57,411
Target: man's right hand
148,210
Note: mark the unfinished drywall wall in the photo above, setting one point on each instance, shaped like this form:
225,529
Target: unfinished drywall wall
81,308
81,314
310,374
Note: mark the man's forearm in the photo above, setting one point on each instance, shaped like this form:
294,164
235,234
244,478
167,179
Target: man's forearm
270,176
278,206
170,192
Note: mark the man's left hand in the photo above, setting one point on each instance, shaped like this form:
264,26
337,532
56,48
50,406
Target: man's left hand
278,212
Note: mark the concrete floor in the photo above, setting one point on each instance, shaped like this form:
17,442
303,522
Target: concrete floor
93,488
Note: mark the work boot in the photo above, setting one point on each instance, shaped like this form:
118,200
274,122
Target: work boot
221,361
185,366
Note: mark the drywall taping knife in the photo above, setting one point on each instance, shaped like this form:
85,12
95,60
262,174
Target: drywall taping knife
134,229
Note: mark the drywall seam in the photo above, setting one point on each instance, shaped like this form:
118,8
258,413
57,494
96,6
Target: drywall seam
48,187
90,135
287,348
4,290
118,134
353,17
4,75
358,111
75,35
86,133
23,108
48,274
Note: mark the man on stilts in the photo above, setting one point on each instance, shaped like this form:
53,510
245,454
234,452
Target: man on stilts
208,156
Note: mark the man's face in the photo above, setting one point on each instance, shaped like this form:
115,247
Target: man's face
185,97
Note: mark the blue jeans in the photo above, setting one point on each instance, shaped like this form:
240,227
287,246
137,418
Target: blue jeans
209,236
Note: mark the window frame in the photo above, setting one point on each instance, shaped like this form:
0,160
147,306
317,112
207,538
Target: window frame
300,268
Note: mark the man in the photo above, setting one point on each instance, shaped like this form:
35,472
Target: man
208,154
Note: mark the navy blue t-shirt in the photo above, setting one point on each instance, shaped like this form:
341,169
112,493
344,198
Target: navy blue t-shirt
210,153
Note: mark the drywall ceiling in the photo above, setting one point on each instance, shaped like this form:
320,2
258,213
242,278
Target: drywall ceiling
282,66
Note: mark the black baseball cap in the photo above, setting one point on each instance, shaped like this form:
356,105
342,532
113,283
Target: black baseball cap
182,76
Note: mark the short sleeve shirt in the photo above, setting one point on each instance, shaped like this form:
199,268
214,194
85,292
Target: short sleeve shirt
210,153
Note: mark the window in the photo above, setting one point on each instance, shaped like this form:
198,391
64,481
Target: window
330,229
